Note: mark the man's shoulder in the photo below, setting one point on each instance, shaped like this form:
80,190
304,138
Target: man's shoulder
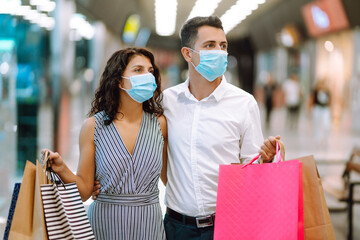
171,94
236,91
174,89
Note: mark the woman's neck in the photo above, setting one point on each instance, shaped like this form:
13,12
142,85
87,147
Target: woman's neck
130,110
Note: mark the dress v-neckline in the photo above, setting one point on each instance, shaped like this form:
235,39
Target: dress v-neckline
137,138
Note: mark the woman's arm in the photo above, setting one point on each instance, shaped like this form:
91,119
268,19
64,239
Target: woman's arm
163,126
84,177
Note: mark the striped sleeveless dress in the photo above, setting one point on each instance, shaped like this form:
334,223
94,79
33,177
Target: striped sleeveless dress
127,207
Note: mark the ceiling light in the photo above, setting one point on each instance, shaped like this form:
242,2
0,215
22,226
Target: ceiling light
31,15
81,26
238,12
22,10
47,6
165,17
9,6
204,8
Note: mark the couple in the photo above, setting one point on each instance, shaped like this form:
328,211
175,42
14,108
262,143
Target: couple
127,143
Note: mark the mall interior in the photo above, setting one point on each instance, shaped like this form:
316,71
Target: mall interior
53,52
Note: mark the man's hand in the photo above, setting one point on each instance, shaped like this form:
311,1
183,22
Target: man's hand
268,149
96,190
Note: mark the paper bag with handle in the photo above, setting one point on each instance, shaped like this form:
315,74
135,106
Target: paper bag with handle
260,201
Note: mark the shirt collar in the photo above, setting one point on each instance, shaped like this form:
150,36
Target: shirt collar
217,94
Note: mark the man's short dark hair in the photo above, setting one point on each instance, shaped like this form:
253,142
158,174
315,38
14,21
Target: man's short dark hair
190,28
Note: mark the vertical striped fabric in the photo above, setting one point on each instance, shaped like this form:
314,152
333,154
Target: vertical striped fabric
127,207
65,215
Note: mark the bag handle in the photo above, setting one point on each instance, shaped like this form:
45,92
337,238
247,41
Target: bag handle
47,166
279,155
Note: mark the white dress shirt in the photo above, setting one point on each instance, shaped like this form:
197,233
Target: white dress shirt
223,128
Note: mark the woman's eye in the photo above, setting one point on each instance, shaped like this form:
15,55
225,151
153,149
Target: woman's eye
137,69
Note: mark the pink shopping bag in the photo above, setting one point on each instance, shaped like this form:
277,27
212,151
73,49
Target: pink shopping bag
260,201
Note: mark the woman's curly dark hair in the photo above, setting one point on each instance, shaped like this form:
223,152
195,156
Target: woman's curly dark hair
108,93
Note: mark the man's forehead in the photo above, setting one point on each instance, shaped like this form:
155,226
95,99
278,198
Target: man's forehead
208,33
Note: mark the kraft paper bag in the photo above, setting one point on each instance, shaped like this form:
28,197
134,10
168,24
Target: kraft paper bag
317,222
28,221
260,201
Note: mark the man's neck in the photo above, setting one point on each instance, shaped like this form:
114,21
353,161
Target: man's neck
201,88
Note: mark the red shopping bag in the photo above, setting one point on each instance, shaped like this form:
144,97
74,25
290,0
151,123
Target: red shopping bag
260,201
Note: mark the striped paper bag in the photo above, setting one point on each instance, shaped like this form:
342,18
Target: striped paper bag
65,215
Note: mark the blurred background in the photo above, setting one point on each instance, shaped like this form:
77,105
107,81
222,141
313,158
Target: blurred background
299,58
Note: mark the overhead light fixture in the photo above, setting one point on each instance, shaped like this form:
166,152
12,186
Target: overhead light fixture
9,6
203,8
81,26
31,15
238,12
47,6
22,10
165,17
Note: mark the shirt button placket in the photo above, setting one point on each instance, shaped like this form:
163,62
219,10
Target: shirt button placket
193,150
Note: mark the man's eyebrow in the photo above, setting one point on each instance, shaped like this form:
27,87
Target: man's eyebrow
209,41
212,41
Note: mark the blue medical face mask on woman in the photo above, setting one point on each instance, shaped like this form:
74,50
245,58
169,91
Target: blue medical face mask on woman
212,64
142,87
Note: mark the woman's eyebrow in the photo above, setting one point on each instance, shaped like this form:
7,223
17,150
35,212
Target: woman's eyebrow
135,66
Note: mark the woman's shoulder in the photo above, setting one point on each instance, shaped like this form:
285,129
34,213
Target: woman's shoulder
163,125
88,128
161,119
88,124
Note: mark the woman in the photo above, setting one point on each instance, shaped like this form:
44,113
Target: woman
121,145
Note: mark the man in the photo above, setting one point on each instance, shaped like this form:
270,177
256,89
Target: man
210,122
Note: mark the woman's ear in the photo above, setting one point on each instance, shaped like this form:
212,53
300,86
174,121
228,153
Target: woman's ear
185,51
121,83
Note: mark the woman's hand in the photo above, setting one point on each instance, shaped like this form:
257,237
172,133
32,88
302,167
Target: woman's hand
57,163
96,190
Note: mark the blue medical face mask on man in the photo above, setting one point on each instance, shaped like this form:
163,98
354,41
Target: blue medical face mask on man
212,64
142,87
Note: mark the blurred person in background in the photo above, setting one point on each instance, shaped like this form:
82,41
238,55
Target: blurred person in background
121,145
293,95
319,103
269,90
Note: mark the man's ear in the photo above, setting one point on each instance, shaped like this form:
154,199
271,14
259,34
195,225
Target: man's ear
185,51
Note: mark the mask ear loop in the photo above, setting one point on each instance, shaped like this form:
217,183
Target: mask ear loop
126,90
191,58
